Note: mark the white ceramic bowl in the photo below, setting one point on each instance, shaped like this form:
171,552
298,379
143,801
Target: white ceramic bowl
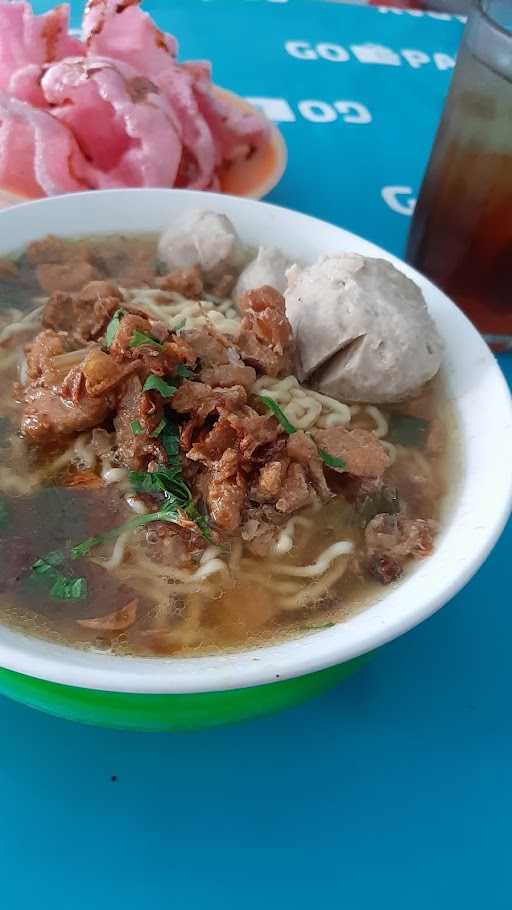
475,385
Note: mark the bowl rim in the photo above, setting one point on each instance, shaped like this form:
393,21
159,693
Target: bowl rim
320,649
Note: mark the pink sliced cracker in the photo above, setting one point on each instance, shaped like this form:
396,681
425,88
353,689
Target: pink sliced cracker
114,109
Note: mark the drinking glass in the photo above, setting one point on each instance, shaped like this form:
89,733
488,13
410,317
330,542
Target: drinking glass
461,233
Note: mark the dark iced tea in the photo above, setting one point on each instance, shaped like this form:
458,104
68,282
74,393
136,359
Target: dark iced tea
461,235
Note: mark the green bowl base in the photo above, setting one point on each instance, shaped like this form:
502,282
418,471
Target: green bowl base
157,713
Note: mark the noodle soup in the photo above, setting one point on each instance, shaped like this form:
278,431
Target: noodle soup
168,485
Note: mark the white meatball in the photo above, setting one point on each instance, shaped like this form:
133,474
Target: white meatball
362,329
200,238
269,267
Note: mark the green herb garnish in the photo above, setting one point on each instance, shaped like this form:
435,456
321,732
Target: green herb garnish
167,483
168,434
147,482
157,384
158,429
200,520
406,430
277,412
82,549
170,512
170,439
167,479
183,372
140,338
113,327
332,460
69,588
48,563
136,428
61,586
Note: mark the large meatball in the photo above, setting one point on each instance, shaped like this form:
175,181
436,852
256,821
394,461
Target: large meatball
200,238
268,268
362,329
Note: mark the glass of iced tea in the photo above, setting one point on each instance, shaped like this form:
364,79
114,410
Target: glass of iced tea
461,234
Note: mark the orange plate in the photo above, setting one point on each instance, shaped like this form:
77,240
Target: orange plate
256,177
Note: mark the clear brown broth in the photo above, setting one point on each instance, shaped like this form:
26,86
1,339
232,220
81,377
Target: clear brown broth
240,612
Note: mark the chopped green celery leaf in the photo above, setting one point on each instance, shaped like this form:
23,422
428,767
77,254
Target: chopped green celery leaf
183,371
61,587
170,511
200,520
136,428
140,338
82,549
158,384
170,439
147,482
69,588
55,558
171,444
202,524
167,513
277,412
158,429
166,479
406,430
113,328
47,563
332,460
177,489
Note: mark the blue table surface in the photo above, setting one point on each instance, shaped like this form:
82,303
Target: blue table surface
392,790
